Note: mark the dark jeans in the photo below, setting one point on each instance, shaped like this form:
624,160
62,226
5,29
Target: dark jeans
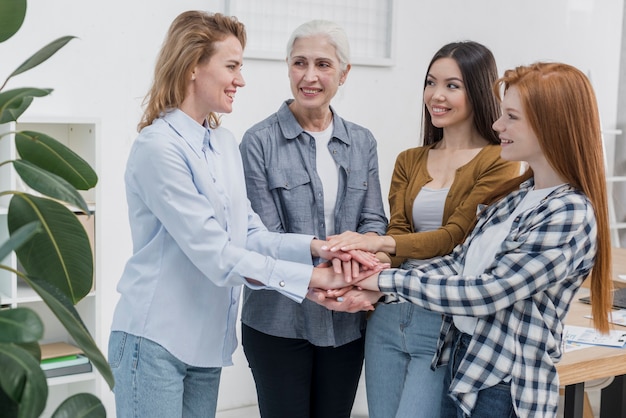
493,402
295,378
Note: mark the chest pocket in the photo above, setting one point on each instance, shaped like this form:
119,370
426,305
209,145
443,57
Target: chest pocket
292,188
357,179
354,199
280,178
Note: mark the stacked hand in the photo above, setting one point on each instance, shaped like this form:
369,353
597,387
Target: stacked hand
348,282
349,240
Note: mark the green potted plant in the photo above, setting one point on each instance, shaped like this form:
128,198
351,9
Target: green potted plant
50,243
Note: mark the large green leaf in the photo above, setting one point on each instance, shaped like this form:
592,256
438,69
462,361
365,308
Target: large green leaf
33,347
49,184
14,102
9,407
12,14
51,155
61,253
20,325
19,237
81,405
23,380
42,55
64,310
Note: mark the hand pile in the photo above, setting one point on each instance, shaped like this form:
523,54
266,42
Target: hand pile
348,281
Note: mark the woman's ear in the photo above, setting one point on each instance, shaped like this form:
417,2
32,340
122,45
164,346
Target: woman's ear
344,75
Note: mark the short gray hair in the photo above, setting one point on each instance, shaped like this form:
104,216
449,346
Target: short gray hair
335,33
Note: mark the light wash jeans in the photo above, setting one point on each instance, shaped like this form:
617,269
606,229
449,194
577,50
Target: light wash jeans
493,402
150,382
400,343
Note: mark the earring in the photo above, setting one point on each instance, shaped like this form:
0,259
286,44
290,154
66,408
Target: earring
193,77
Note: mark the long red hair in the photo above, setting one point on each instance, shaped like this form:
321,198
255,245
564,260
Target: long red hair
561,107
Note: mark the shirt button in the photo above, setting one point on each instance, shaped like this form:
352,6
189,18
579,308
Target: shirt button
281,283
364,184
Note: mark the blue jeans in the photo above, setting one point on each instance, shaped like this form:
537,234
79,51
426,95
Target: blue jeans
400,343
150,382
493,402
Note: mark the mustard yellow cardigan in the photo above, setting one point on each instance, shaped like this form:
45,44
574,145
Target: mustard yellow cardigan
473,182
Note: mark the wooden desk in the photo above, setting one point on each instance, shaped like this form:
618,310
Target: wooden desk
577,367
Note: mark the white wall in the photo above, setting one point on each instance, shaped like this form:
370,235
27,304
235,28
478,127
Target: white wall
107,71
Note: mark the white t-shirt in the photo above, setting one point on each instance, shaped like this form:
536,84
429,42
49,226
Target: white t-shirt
328,172
483,249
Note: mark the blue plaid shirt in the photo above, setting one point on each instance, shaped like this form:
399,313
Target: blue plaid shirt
520,301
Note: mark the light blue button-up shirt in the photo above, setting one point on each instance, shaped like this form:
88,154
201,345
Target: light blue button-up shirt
193,244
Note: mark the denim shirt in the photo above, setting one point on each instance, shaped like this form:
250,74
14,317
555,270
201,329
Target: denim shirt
286,192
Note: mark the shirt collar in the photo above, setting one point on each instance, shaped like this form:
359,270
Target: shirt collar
530,183
187,128
291,128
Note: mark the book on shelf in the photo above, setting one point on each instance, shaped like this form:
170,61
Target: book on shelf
62,359
60,349
65,361
68,370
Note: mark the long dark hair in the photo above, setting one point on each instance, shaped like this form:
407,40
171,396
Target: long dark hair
479,72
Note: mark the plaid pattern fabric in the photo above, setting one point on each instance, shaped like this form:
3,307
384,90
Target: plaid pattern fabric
520,300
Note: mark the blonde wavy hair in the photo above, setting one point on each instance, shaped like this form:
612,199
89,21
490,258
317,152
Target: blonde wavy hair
190,41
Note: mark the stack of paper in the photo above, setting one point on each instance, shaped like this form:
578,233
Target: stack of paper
589,336
62,359
617,317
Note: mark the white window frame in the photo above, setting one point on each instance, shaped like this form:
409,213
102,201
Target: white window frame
270,22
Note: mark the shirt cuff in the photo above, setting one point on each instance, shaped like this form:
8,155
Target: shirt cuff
386,285
291,279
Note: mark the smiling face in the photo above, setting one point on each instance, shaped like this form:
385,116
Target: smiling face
518,139
213,84
314,72
445,95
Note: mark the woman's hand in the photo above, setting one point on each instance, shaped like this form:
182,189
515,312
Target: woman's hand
325,277
349,240
352,299
348,262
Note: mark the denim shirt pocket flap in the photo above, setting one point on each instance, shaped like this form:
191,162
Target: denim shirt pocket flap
287,179
357,179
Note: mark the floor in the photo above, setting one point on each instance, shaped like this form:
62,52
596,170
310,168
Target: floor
248,412
251,412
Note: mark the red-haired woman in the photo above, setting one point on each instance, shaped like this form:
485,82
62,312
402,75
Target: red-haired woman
506,290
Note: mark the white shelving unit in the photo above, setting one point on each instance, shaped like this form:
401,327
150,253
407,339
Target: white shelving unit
81,137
